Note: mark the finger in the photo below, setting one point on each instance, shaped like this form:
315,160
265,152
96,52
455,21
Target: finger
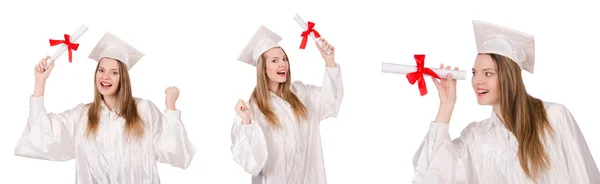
435,81
51,65
319,46
43,64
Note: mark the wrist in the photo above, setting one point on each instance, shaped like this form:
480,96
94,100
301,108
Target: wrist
246,121
330,63
444,114
40,82
171,106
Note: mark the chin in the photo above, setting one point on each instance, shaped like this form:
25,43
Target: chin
483,102
105,92
279,79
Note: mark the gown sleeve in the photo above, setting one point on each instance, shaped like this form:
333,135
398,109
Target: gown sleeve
327,98
48,136
580,164
248,145
440,159
171,143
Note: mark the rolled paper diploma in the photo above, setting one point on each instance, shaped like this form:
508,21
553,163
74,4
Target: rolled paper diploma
304,26
63,47
405,69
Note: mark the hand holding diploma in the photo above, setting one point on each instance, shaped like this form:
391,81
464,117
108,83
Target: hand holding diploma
67,44
416,73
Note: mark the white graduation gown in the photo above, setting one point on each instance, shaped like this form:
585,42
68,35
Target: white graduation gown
291,154
108,159
486,152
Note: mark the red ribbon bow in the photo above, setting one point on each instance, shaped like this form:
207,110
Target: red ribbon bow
67,41
418,75
305,34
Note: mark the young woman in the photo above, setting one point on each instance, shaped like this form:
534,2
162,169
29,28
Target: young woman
526,140
275,137
115,139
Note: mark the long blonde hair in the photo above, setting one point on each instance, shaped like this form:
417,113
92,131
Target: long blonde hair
260,95
524,115
126,107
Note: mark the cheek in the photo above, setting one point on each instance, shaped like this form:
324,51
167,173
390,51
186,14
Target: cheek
271,68
115,80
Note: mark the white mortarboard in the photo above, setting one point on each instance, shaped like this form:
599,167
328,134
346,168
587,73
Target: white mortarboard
111,46
516,45
263,40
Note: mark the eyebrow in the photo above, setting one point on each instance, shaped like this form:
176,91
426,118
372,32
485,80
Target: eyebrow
485,69
276,57
109,70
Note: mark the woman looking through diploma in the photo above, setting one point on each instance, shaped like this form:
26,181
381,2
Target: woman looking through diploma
275,137
526,140
115,139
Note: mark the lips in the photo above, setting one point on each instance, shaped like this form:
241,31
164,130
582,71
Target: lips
106,84
281,73
482,91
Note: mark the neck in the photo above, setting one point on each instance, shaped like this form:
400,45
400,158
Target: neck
274,87
110,101
498,111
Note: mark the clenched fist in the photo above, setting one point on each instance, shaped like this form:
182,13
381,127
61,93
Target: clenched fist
243,111
172,93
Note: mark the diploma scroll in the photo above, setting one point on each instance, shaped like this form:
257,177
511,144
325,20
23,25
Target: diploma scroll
405,69
63,47
304,26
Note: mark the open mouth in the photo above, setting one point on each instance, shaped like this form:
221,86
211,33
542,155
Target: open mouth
281,73
105,85
481,92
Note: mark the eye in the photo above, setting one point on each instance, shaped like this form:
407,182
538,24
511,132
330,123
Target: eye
488,74
100,70
285,59
274,61
115,73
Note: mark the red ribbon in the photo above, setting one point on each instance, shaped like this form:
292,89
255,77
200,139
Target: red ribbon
305,34
67,41
418,75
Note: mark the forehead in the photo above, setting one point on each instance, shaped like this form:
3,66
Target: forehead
274,52
484,61
109,63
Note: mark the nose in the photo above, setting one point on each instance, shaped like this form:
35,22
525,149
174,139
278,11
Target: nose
478,80
105,76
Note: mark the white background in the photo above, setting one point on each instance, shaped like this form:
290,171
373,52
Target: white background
194,46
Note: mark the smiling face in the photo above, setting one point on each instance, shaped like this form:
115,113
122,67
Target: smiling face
108,76
276,65
485,80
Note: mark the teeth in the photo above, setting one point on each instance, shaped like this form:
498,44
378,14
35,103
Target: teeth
482,91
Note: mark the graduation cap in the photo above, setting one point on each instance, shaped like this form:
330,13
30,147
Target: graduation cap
263,40
516,45
111,46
